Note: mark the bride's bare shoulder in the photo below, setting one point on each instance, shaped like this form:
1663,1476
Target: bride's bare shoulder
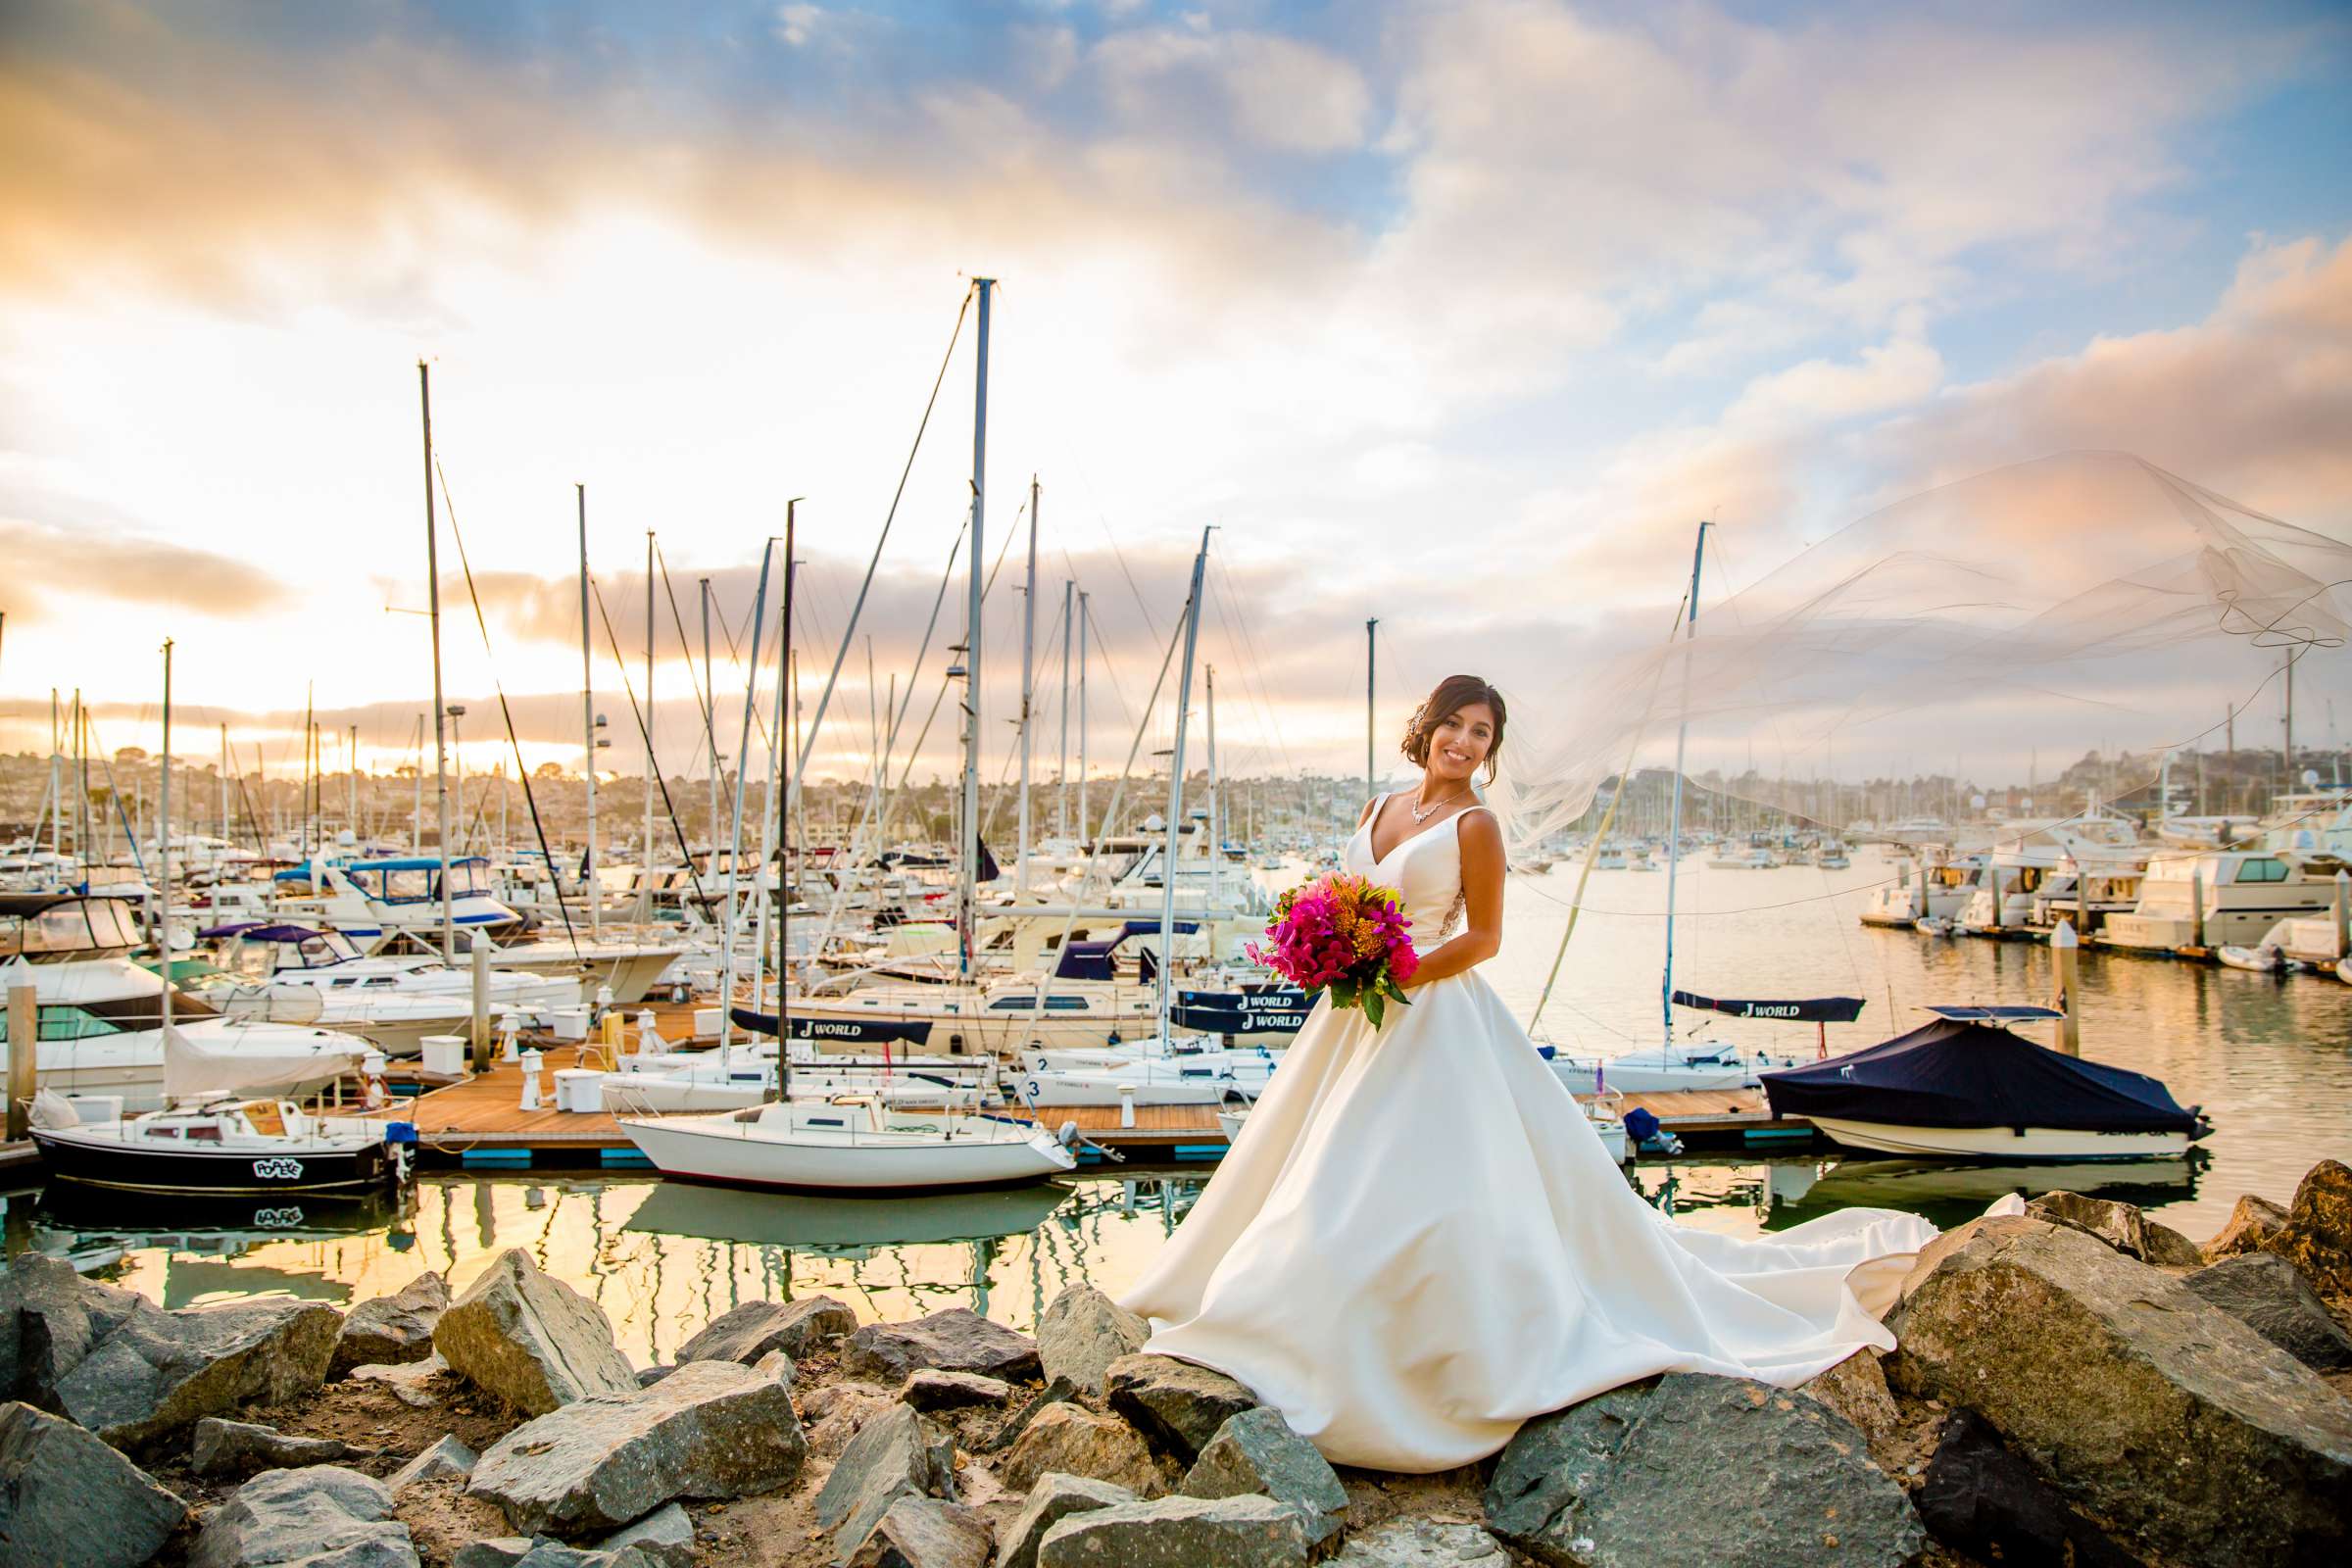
1370,805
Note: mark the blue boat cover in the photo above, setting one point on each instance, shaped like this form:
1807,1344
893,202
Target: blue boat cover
851,1031
1815,1009
1958,1073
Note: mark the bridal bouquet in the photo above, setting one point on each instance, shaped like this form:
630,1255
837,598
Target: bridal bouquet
1344,934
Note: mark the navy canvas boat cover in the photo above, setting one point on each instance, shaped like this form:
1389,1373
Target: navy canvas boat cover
1956,1074
849,1031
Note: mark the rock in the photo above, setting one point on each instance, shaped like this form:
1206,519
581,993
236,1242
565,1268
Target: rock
407,1379
648,1376
1610,1483
2167,1247
1256,1451
1057,1391
320,1517
1175,1404
530,1339
896,1455
1075,1441
159,1371
50,1318
1083,1332
239,1447
1178,1533
1981,1498
925,1533
752,1330
958,1339
1054,1498
1422,1544
65,1497
447,1457
2317,1237
665,1537
2252,1223
389,1330
929,1390
499,1551
2194,1437
1856,1389
711,1429
2271,1296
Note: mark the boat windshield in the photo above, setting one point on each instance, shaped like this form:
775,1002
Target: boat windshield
77,928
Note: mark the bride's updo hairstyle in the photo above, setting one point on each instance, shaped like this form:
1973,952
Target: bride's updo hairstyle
1454,694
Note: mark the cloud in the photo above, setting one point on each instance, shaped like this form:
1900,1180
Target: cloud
51,568
1276,92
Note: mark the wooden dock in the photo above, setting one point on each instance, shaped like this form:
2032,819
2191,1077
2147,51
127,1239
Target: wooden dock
479,1121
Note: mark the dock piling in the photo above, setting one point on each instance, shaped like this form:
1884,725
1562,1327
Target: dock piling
2066,949
23,1046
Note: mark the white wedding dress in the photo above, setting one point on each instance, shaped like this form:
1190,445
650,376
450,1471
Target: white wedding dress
1418,1242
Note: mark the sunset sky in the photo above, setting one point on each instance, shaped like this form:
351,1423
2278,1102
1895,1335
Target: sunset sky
1458,316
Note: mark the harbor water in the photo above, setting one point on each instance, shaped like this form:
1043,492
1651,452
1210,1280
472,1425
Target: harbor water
2269,1059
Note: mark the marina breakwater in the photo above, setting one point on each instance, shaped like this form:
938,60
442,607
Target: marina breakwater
2076,1382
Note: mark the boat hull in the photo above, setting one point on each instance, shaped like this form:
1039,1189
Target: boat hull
2003,1143
697,1150
329,1168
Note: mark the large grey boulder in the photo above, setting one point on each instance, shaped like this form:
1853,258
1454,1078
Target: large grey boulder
895,1454
1256,1451
389,1330
1078,1442
1988,1502
2271,1296
221,1447
530,1339
50,1318
66,1497
446,1458
1177,1405
320,1517
1179,1532
159,1371
665,1537
1083,1332
712,1429
1053,1498
1422,1544
750,1331
2121,1226
1692,1468
958,1339
2194,1437
924,1533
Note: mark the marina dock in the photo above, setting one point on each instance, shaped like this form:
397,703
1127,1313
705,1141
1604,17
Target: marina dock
478,1121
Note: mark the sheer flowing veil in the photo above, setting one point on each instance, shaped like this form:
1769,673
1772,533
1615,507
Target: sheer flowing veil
2089,595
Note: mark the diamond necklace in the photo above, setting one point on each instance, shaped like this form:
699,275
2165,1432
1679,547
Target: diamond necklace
1422,813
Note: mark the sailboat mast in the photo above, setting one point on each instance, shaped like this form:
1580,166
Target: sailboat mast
783,793
1208,677
432,588
1020,866
968,873
588,882
710,722
777,792
1674,829
1369,655
1084,833
743,774
647,857
1061,747
162,879
1167,854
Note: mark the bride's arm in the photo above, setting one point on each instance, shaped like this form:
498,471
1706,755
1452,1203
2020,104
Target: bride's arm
1480,935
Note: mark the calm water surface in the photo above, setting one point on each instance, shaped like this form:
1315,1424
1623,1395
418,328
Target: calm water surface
2270,1058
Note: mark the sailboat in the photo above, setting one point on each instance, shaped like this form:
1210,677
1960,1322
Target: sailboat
214,1142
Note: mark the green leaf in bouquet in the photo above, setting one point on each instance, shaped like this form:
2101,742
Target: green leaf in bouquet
1373,1004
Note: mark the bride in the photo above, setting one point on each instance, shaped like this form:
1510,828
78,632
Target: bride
1418,1242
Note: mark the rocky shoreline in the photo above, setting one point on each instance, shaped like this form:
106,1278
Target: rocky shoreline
2077,1384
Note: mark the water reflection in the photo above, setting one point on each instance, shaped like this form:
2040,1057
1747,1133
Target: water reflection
1749,1197
660,1258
